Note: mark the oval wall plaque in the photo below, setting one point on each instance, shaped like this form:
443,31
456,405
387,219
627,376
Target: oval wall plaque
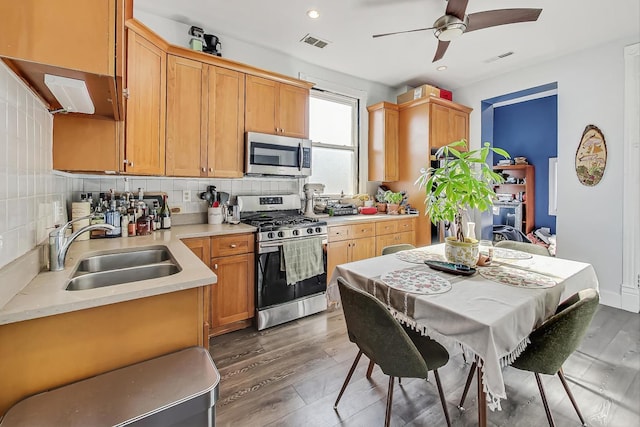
591,157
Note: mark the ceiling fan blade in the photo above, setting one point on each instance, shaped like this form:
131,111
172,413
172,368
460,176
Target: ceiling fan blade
442,48
401,32
493,18
457,8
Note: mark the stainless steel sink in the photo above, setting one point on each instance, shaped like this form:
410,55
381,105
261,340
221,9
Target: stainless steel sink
120,276
124,259
119,267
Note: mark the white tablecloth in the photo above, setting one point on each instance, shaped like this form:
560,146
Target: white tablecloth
489,319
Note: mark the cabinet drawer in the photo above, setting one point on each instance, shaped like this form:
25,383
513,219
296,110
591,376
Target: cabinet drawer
231,245
339,232
405,224
363,230
393,239
386,227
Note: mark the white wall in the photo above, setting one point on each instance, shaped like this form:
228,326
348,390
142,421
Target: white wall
32,199
590,91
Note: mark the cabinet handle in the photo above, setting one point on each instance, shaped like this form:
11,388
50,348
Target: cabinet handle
204,169
210,169
131,164
233,245
215,266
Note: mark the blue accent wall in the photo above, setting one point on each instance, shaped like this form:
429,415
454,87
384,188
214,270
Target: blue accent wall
530,129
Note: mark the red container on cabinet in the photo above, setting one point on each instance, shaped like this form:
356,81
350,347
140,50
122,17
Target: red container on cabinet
446,94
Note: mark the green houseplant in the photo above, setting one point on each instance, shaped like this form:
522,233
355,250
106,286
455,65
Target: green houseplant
463,181
393,200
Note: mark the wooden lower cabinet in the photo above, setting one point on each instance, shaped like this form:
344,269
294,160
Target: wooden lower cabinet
394,233
394,239
49,352
230,303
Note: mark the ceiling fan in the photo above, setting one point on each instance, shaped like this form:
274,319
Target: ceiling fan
454,22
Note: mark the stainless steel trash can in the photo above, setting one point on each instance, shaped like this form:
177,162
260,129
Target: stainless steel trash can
176,390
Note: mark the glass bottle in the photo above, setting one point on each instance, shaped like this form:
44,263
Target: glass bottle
165,214
112,216
143,224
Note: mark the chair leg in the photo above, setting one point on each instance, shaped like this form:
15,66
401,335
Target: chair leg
544,400
346,381
573,401
387,415
442,400
370,368
467,385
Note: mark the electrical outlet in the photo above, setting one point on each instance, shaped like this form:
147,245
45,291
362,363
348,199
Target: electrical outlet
186,195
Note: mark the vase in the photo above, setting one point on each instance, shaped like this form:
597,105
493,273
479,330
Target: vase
461,252
382,207
392,209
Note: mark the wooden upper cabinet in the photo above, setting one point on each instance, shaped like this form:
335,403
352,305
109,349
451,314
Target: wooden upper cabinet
383,142
184,116
205,120
225,123
146,107
276,108
68,38
447,125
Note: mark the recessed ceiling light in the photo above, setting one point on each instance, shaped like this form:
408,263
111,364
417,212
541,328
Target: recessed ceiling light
313,14
441,68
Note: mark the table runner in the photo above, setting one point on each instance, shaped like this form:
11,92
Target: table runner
488,319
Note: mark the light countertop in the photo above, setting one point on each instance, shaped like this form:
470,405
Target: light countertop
45,295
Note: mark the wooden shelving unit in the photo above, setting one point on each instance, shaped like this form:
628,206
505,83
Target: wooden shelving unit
522,173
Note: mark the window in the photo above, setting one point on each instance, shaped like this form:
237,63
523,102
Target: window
333,129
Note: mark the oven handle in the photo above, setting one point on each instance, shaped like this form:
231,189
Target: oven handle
300,156
279,243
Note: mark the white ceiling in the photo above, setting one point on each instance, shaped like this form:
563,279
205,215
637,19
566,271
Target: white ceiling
563,27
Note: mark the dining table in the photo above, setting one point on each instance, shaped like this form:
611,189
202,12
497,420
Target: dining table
488,313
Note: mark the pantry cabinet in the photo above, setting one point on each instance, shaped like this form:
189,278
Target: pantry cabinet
383,142
276,108
205,120
448,124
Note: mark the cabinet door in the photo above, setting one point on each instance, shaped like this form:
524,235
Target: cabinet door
337,253
383,142
201,246
70,34
184,130
394,239
363,249
440,132
459,125
232,298
146,107
292,107
260,107
225,123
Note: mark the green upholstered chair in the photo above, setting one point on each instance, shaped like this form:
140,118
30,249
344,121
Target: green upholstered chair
553,342
396,248
523,246
399,351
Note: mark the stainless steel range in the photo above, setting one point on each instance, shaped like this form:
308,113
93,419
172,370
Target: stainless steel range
279,221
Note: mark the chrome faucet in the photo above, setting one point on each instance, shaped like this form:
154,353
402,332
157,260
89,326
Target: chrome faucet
59,243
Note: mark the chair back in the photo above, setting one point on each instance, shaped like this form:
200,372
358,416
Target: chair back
559,336
381,338
523,246
396,248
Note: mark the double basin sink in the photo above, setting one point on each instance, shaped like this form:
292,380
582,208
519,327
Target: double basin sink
124,266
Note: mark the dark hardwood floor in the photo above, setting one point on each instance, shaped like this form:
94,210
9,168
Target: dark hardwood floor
290,375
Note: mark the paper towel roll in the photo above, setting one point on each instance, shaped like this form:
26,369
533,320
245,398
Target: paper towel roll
78,210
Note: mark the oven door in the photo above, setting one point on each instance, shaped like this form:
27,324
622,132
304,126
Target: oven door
272,288
277,155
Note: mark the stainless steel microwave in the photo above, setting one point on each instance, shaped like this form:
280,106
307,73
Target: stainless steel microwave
277,155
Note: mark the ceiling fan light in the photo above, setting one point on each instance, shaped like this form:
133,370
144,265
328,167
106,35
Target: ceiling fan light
450,32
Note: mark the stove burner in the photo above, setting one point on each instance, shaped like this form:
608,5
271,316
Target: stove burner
274,220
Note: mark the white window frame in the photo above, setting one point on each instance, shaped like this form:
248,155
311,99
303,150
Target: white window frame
363,116
355,131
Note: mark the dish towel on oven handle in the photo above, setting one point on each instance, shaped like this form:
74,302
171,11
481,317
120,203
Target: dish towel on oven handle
302,259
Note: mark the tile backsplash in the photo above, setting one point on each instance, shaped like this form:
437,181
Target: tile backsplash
176,187
32,197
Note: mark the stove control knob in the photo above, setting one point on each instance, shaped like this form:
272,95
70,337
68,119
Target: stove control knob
270,235
318,229
309,230
296,232
280,234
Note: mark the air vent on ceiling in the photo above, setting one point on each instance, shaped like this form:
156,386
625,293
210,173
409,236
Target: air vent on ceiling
501,56
315,41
